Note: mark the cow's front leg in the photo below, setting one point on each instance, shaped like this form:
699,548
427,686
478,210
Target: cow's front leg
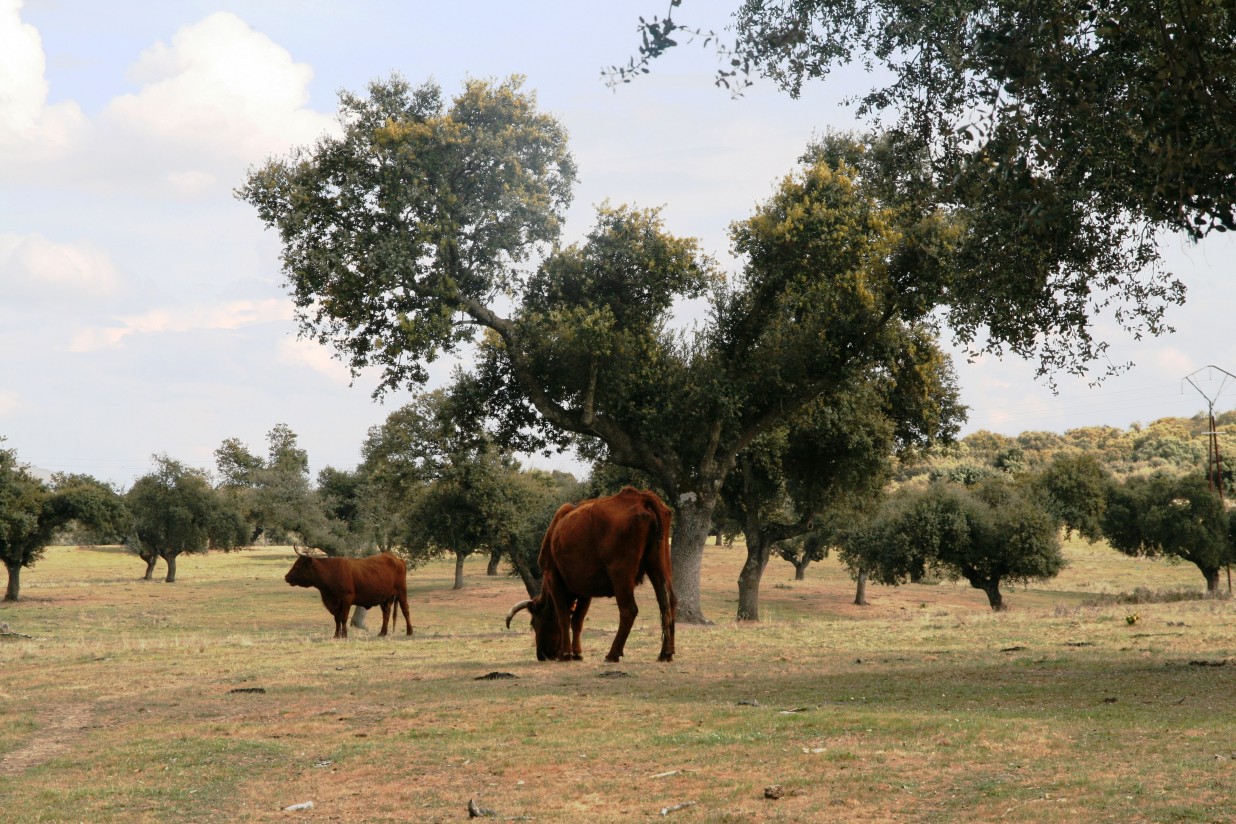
341,618
564,631
577,627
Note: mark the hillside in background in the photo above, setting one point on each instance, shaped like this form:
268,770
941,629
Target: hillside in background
1175,445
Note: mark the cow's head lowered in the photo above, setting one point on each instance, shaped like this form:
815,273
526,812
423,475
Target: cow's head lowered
303,573
544,626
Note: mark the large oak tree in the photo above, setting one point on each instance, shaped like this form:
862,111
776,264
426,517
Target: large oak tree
417,229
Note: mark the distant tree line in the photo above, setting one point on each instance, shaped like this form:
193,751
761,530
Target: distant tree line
990,508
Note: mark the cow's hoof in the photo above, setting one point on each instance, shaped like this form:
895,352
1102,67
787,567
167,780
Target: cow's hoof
666,656
613,659
575,656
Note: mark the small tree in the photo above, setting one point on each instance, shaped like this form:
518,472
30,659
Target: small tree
800,551
176,511
536,496
1074,489
93,510
480,503
26,527
275,493
31,514
1170,516
988,535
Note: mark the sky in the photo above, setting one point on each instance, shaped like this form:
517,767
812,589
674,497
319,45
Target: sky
142,308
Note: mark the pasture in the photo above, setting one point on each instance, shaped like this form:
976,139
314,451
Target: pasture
223,698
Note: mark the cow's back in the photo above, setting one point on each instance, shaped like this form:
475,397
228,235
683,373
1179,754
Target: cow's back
587,542
377,578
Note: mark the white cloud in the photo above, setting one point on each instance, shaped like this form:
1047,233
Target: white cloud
216,99
31,266
303,352
1171,363
227,316
30,130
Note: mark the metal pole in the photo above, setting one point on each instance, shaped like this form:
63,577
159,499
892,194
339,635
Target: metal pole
1214,462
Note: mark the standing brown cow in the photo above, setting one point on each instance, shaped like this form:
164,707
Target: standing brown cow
601,548
379,580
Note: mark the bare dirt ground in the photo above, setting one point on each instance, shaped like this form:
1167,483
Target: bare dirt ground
59,730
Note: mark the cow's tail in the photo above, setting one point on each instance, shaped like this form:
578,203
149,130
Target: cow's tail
657,540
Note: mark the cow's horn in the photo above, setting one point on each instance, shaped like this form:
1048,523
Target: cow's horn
299,551
515,609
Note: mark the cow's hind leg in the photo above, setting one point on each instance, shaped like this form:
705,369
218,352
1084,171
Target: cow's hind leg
388,607
577,627
627,610
668,602
402,596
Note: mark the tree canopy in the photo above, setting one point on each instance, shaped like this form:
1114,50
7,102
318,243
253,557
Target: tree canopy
1073,133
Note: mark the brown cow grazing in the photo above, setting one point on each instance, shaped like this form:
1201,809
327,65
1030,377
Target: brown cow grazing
377,581
601,548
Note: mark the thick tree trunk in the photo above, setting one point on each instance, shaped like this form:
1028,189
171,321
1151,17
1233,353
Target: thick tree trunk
800,569
13,592
750,576
527,574
150,565
358,617
692,520
495,558
1212,580
459,563
992,588
860,591
171,569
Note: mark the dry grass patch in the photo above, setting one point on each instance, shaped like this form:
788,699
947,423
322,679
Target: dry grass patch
222,698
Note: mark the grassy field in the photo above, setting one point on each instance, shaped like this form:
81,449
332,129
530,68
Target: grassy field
222,698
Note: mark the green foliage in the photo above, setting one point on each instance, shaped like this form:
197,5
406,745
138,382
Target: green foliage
988,534
275,494
25,526
1069,133
1173,516
433,482
397,249
31,514
1175,446
832,461
95,510
1074,489
416,212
